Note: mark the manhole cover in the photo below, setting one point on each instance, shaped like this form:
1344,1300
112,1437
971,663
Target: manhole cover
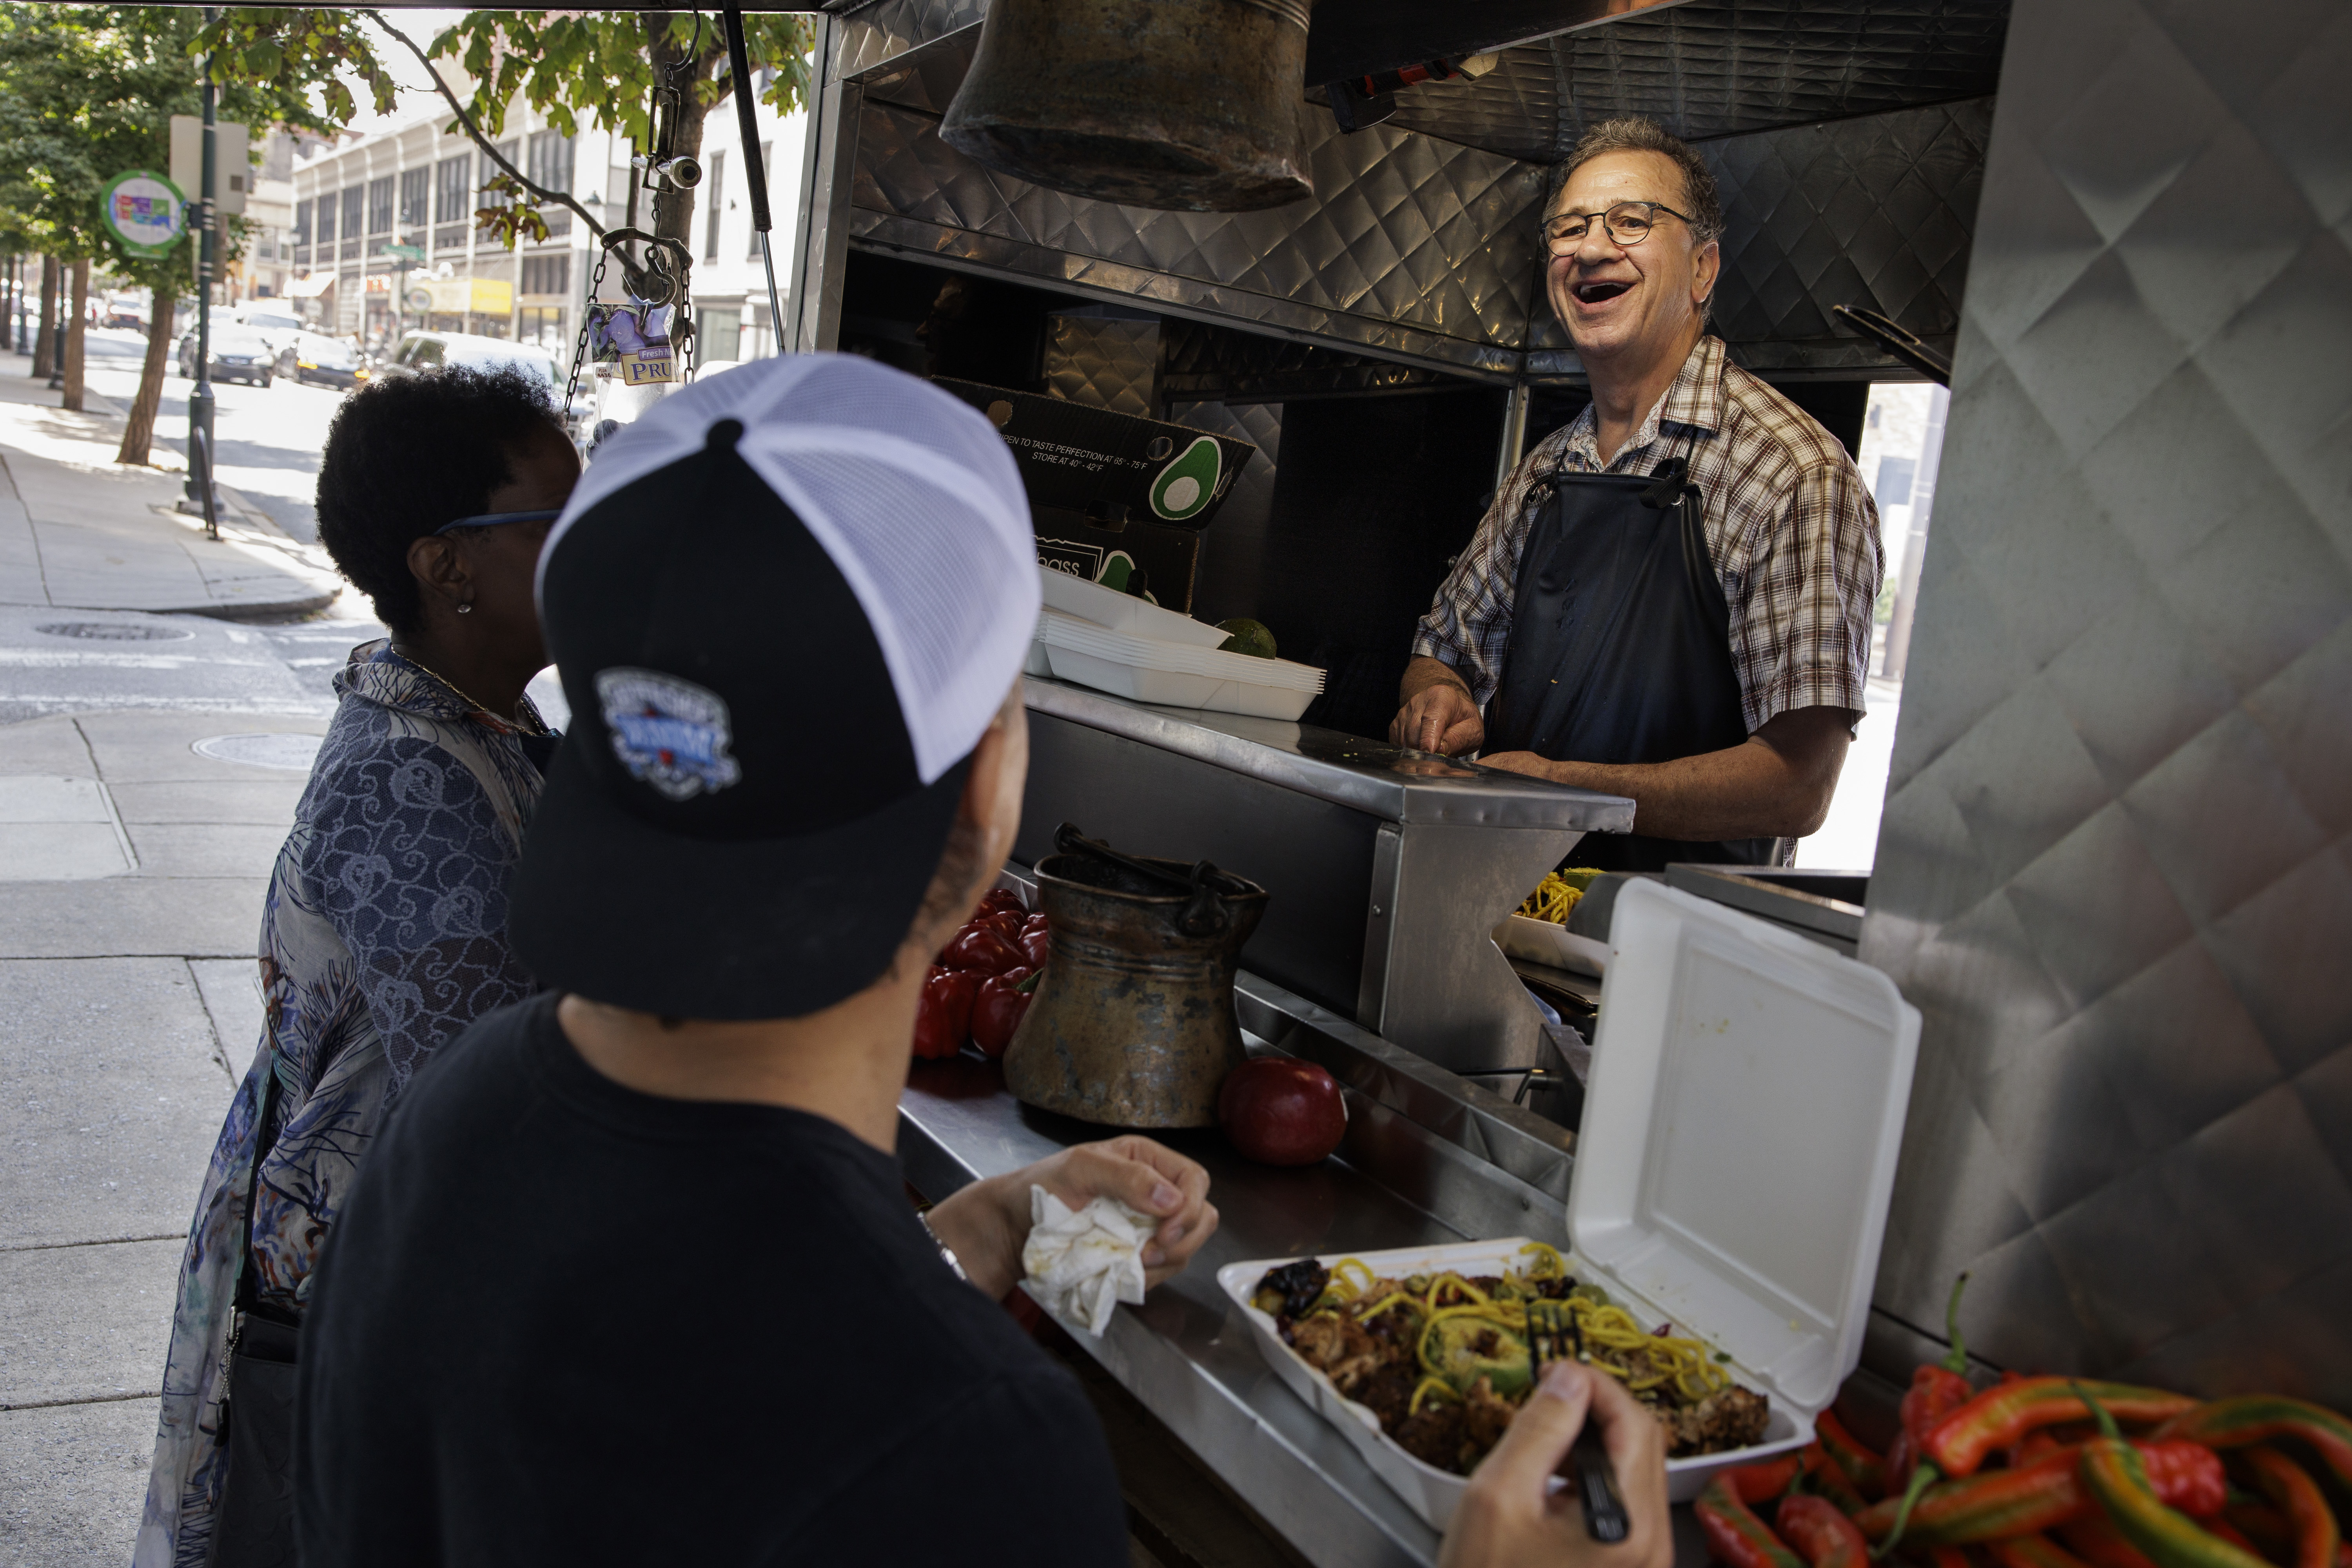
112,631
293,753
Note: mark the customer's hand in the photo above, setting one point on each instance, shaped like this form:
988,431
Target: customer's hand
987,1222
1510,1518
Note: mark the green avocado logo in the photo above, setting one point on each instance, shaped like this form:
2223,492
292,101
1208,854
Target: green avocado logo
1189,483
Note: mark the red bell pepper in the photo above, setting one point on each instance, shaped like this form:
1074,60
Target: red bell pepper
2282,1481
2259,1418
1036,942
1002,900
1822,1535
981,951
997,1011
2004,1413
943,1015
1735,1536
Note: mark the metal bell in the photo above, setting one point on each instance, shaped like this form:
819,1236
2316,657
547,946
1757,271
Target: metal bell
1190,105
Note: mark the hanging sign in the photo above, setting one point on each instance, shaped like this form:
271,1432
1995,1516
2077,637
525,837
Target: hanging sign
144,211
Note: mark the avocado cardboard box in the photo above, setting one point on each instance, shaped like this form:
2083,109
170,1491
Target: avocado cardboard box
1113,494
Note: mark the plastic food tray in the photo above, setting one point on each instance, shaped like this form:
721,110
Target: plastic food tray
1431,1492
1741,1123
1124,612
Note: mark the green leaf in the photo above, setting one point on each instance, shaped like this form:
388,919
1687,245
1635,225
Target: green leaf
262,60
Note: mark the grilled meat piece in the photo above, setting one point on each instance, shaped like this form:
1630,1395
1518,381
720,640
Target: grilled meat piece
1728,1418
1433,1434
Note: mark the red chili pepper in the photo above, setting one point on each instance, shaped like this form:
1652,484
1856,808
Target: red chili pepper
1757,1484
1864,1465
981,950
2041,1496
2031,1552
2115,1475
1822,1535
2259,1418
943,1016
1735,1536
2099,1543
1036,942
1938,1388
997,1011
2005,1412
2297,1496
1829,1479
1949,1557
2265,1526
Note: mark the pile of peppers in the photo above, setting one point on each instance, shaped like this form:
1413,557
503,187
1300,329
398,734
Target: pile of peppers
2040,1472
979,987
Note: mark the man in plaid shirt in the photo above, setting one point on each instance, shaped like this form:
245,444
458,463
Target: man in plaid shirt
1790,530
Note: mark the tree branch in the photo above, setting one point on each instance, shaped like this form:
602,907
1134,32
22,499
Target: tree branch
474,130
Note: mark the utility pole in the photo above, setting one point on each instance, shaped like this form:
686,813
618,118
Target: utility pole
206,500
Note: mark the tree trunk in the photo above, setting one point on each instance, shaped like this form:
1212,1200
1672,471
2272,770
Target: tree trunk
76,325
140,434
45,342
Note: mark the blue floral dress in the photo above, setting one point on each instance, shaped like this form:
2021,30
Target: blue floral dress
383,936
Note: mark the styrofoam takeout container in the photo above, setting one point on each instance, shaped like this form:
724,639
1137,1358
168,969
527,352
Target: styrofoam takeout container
1736,1156
1545,942
1124,612
1173,675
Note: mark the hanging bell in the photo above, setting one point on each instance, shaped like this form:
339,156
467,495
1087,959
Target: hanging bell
1189,105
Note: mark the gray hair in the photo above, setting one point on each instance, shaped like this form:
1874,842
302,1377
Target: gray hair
1635,133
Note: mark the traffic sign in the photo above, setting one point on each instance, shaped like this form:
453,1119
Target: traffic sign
144,211
405,252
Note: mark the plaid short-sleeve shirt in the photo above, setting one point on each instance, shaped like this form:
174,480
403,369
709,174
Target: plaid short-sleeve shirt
1791,529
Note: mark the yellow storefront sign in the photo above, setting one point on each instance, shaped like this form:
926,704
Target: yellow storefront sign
480,296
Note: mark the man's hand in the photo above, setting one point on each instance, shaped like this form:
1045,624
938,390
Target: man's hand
1438,715
1510,1518
987,1222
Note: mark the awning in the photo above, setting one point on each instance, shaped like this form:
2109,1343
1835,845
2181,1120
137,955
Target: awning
310,286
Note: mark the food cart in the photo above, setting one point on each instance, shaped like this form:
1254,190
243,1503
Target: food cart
2109,876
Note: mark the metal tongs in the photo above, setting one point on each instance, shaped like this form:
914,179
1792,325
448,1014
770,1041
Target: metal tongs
1553,1331
1204,915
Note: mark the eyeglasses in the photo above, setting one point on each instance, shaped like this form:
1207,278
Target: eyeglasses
494,519
1627,223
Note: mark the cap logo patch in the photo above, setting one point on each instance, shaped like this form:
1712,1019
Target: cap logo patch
669,734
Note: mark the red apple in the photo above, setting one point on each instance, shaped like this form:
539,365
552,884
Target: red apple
1280,1110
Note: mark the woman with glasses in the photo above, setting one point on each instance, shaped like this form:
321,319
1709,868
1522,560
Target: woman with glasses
384,932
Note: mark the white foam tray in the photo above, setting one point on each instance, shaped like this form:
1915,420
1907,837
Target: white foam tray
1124,612
1175,689
1431,1492
1060,630
1544,942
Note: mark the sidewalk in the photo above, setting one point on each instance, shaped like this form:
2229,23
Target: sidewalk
79,531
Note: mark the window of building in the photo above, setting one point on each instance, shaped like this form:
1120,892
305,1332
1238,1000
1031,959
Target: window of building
326,220
415,188
714,175
301,223
354,212
452,192
767,162
549,168
379,205
543,325
547,274
722,332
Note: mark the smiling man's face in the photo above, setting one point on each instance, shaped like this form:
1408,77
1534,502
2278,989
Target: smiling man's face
1633,305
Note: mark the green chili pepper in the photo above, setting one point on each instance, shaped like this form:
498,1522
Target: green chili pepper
2113,1474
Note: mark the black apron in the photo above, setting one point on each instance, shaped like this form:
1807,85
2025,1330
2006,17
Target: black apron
1621,648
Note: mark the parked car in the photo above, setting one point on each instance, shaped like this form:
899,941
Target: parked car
315,357
238,353
419,352
277,325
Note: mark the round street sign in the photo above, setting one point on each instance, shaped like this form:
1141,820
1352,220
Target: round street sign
418,299
145,211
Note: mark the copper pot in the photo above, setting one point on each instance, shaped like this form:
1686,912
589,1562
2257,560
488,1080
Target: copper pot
1133,1023
1191,105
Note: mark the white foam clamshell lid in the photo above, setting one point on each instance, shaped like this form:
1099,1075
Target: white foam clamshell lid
1055,629
910,491
1124,612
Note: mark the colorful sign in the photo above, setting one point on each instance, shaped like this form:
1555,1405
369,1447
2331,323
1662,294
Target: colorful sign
145,212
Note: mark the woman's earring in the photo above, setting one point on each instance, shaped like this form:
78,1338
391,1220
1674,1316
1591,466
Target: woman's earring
466,609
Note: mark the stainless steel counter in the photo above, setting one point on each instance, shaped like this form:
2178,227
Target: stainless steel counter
1428,1157
1388,867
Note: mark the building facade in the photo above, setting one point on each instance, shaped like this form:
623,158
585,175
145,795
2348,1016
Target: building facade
383,239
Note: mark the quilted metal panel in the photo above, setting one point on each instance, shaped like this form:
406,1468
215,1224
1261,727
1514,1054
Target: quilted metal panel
873,34
2115,866
1216,364
1720,67
1419,247
1104,364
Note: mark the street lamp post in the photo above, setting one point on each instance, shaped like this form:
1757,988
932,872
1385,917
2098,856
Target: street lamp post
200,400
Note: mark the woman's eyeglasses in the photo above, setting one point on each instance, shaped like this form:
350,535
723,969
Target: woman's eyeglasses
495,518
1627,223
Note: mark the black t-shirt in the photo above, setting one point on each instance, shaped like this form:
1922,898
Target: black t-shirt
563,1322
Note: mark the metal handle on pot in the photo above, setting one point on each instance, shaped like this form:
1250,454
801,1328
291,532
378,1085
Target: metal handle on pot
1204,915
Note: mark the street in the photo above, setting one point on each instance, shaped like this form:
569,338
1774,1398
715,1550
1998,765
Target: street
270,438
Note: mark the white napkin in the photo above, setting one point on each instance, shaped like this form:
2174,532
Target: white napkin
1080,1266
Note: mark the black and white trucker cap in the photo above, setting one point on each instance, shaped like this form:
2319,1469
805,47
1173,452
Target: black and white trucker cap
786,604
